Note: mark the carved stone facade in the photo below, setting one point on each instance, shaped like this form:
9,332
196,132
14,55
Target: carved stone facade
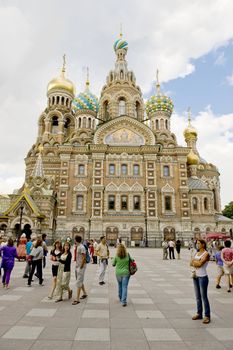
115,167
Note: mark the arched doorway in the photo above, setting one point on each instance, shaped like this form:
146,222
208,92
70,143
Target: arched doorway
112,235
80,231
169,233
27,230
137,235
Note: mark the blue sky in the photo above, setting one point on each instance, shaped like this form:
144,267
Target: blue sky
207,85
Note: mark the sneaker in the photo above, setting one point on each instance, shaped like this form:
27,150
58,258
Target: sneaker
218,286
101,283
124,304
206,320
197,317
229,291
25,276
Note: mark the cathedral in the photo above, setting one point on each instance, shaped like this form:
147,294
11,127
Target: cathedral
111,165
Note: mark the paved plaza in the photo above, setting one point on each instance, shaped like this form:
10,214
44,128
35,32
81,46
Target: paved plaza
158,316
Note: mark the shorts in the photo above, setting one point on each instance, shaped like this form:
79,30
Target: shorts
54,270
79,274
228,270
220,270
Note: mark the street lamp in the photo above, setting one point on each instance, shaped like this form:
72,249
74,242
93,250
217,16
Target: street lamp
21,208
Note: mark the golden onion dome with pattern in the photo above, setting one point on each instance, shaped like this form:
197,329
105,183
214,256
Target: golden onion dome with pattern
61,82
192,158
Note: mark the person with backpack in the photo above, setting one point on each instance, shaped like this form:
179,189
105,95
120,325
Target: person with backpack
121,261
80,268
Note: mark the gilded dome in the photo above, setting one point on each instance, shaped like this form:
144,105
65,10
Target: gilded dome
190,132
86,101
192,158
61,82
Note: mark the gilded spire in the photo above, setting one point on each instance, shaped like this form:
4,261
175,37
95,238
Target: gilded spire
121,34
64,64
157,82
87,80
189,116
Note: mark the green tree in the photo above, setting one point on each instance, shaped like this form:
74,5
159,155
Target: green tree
228,210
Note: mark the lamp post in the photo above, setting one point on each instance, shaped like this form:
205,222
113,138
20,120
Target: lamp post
21,208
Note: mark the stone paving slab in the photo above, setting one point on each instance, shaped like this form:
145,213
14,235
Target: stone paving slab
161,303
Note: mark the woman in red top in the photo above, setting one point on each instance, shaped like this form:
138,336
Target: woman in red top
227,258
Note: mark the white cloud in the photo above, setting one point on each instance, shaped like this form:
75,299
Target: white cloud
34,35
230,79
221,59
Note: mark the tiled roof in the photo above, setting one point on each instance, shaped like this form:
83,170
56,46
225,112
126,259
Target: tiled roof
220,217
197,184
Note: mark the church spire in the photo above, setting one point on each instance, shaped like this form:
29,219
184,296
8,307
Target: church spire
38,170
157,83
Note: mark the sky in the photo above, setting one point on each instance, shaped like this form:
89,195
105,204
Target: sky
190,42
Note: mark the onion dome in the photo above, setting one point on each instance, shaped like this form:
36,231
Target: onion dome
61,82
86,101
120,44
192,158
190,132
159,102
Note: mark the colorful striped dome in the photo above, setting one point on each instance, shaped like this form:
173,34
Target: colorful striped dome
120,44
86,101
159,103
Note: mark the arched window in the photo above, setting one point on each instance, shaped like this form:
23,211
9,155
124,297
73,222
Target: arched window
205,203
136,202
112,169
54,125
195,203
53,100
124,169
157,124
79,202
66,126
111,202
166,124
168,203
81,169
124,203
137,110
62,100
166,170
79,122
89,123
58,98
215,199
136,169
106,111
121,109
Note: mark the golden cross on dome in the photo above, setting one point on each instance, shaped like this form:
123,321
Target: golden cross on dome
157,82
87,81
189,115
121,34
64,63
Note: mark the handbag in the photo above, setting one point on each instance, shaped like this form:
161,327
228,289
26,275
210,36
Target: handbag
132,266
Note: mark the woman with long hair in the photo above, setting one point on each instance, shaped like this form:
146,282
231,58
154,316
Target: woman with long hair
121,262
9,253
63,275
201,281
55,255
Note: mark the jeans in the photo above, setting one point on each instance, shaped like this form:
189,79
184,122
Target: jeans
123,288
200,288
36,264
171,253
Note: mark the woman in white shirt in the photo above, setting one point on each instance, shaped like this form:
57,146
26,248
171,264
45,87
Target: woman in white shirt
201,281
